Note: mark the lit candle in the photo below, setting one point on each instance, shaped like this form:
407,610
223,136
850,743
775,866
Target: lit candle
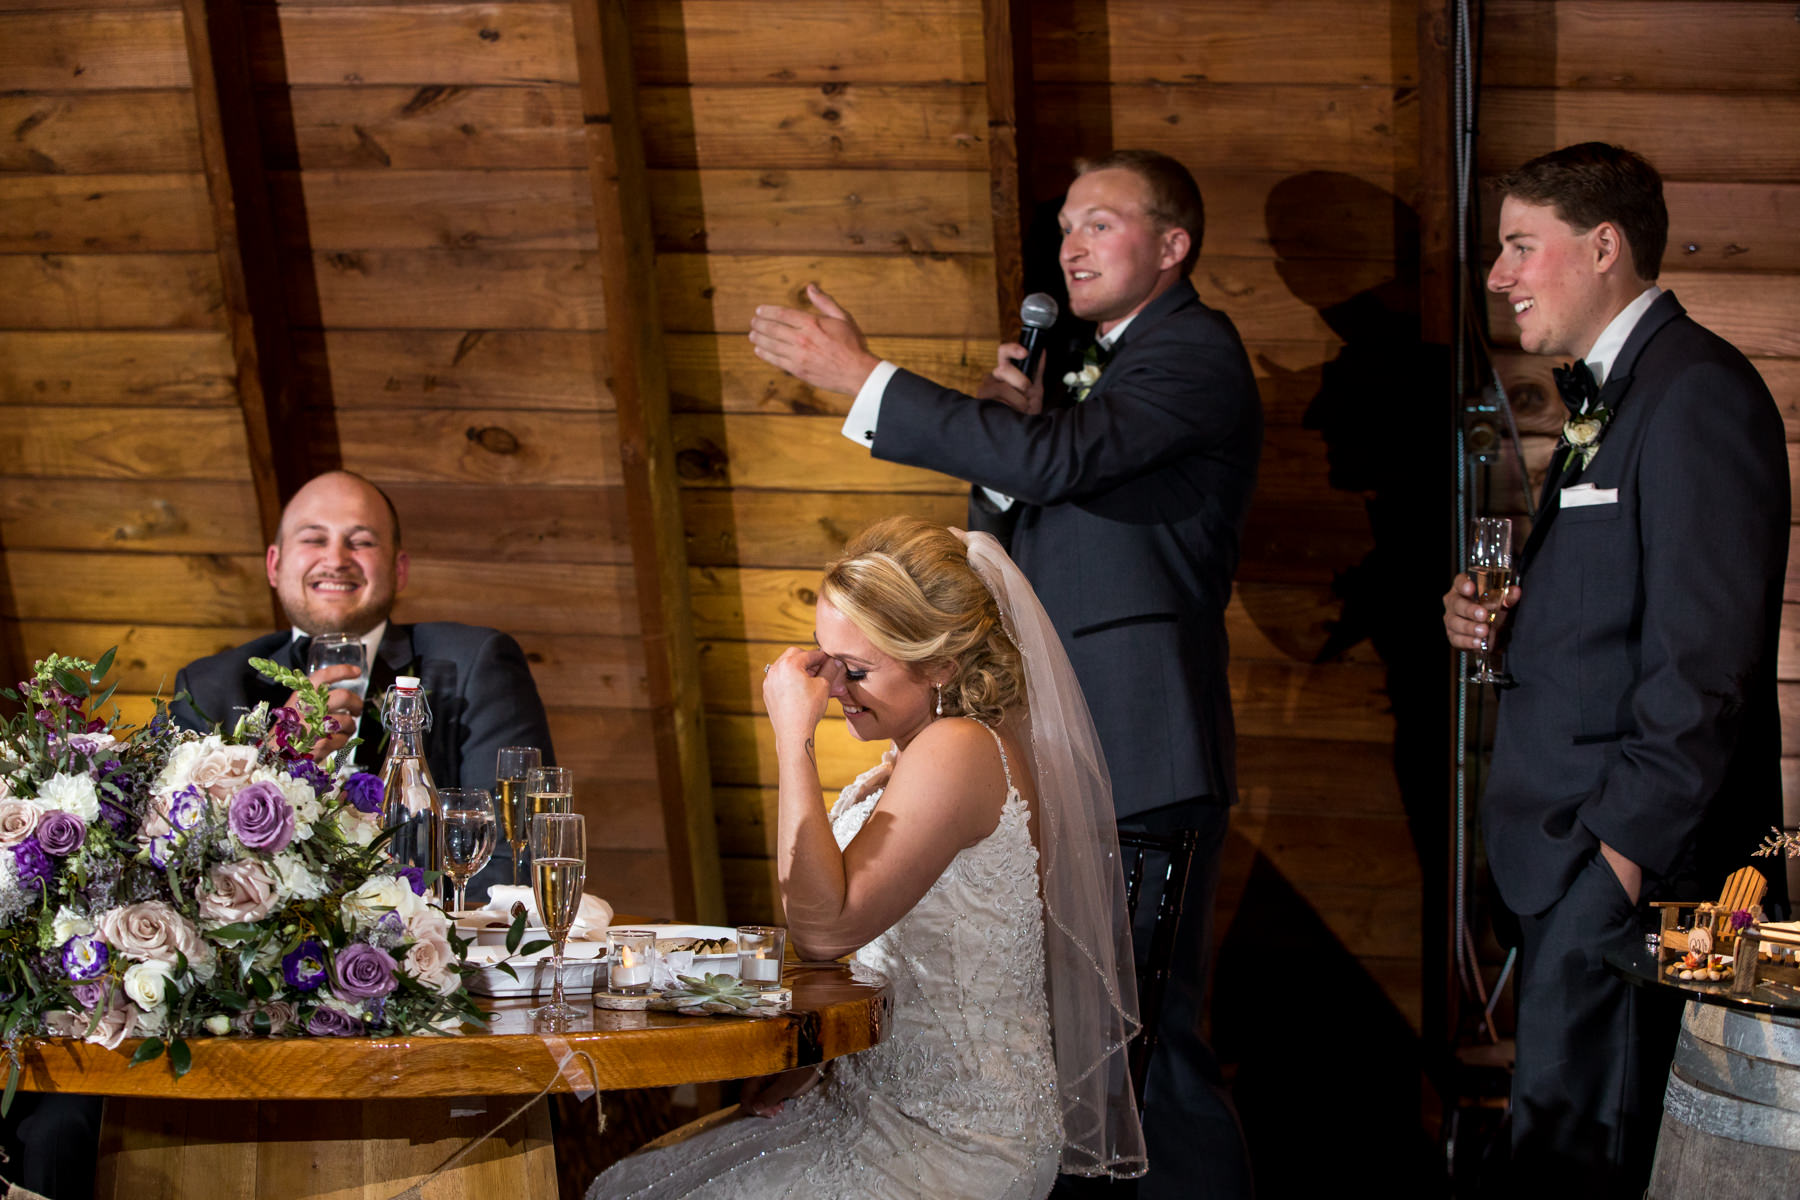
630,971
760,969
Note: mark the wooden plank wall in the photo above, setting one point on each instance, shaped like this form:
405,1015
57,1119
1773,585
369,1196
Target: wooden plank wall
126,508
802,141
1710,93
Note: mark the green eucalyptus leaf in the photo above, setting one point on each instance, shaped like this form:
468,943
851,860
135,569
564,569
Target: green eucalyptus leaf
71,682
12,1088
515,933
104,665
534,947
180,1057
151,1049
507,967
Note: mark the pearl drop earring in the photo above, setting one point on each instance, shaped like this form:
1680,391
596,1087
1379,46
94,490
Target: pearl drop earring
940,699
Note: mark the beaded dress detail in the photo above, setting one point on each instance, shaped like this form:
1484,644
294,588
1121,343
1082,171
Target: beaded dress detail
961,1098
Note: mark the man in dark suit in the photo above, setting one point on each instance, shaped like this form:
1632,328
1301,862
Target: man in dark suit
1637,756
1123,501
337,566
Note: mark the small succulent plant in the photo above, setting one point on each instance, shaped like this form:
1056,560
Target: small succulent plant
709,994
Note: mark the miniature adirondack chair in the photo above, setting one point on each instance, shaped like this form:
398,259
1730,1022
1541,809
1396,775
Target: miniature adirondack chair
1744,889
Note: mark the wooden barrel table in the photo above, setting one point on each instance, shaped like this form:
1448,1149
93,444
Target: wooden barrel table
372,1118
1731,1115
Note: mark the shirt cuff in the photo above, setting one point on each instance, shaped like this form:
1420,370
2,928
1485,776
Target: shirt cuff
1001,500
859,426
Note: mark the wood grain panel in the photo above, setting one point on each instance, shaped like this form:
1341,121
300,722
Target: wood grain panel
1282,302
204,589
910,295
1225,127
832,125
802,453
473,446
1752,312
1641,45
1240,41
740,527
157,514
428,43
587,670
1302,543
603,744
842,212
99,133
92,50
1713,226
122,443
1292,774
149,655
1674,130
70,214
466,289
475,368
742,749
581,598
1783,377
168,369
1298,213
530,526
805,41
1328,850
409,210
110,291
435,127
710,373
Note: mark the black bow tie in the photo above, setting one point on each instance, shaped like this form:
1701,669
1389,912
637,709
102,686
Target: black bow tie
1575,383
301,646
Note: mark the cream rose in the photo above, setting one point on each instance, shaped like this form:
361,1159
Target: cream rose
1582,431
240,891
433,963
378,896
147,983
116,1024
18,821
152,930
222,771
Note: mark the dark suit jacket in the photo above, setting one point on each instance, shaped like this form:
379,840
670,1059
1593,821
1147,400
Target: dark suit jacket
1644,641
1129,508
477,683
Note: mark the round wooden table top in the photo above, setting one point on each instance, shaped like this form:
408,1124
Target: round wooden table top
836,1010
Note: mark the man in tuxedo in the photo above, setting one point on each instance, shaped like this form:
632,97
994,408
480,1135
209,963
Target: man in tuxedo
337,566
1123,499
1636,755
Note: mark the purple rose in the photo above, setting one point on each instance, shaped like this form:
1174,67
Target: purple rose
262,818
61,833
84,957
90,995
415,878
362,972
363,791
31,863
330,1022
304,969
186,807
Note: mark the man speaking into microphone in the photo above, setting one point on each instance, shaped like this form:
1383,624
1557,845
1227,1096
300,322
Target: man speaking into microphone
1121,489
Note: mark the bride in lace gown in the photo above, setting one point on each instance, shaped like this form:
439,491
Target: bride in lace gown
1004,1061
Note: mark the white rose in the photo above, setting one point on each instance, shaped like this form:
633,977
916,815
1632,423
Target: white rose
74,794
67,924
1582,431
222,771
428,921
359,829
378,896
433,963
178,771
218,1025
147,983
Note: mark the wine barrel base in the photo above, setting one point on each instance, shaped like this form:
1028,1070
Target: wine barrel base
1731,1115
322,1150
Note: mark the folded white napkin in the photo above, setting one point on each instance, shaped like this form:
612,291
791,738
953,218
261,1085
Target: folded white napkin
590,922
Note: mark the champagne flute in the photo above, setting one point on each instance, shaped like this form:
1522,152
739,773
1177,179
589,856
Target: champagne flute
1490,566
558,874
515,762
466,818
549,790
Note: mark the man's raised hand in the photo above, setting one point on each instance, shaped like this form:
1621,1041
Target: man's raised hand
1007,384
824,349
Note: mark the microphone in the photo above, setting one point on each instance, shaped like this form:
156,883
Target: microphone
1036,315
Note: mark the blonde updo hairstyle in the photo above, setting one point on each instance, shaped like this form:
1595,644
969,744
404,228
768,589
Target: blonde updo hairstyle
907,585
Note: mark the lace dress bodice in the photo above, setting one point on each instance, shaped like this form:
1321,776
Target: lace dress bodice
960,1099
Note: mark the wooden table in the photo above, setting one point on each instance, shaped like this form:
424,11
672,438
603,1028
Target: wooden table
370,1117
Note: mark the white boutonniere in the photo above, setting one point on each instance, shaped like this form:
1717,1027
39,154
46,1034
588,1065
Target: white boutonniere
1080,383
1581,434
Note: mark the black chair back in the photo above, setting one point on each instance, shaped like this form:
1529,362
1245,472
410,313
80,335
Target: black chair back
1175,852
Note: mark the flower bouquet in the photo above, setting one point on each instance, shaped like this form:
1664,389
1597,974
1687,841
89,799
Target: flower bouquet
165,884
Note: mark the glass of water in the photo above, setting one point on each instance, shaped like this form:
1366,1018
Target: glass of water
468,830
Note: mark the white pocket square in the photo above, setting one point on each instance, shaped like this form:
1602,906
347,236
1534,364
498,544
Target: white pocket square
1582,495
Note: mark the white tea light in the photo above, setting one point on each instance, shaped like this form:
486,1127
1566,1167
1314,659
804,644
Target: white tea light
763,970
631,958
760,950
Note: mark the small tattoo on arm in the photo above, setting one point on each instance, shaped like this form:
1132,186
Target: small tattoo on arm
813,757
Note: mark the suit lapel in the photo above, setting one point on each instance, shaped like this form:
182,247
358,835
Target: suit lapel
1181,293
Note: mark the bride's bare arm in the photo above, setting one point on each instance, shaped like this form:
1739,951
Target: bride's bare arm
945,794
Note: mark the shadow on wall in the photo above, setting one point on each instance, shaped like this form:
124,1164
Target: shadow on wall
1311,1033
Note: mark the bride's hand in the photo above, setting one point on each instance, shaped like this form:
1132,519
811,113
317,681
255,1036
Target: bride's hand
796,688
766,1095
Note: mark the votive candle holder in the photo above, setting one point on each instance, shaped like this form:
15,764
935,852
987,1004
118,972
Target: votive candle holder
760,950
